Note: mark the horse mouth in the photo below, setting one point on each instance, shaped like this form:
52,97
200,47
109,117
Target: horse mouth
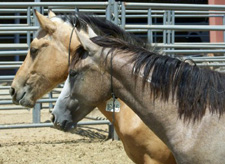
18,101
21,98
24,101
66,126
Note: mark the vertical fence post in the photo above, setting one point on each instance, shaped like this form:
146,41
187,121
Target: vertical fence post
149,23
35,21
115,12
37,113
29,24
109,10
112,132
50,97
168,23
17,37
123,15
173,31
164,23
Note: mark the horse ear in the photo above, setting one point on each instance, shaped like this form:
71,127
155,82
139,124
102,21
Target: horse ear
51,14
45,23
85,41
91,33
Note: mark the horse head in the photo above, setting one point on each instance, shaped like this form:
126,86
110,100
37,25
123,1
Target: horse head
45,65
82,92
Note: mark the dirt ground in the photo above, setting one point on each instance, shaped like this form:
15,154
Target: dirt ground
86,145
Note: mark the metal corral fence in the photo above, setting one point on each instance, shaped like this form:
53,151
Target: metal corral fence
158,20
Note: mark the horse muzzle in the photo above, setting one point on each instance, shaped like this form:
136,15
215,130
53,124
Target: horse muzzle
64,125
21,97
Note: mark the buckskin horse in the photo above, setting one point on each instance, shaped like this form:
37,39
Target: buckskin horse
46,66
183,104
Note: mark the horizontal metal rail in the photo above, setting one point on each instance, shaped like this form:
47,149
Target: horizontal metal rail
9,66
25,28
11,63
210,57
205,57
13,46
81,10
172,6
176,16
194,51
144,11
14,25
207,60
12,10
8,102
178,27
13,108
39,125
191,46
12,32
210,64
4,87
7,77
13,17
59,4
13,53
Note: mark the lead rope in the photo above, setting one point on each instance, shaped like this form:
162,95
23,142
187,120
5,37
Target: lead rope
113,96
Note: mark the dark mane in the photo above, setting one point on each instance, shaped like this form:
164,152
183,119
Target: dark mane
101,27
194,89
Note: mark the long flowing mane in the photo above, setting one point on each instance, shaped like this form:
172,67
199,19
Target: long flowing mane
194,89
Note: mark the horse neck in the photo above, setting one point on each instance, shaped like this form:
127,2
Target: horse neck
156,115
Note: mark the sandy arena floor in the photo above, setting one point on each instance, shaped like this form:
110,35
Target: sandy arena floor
86,145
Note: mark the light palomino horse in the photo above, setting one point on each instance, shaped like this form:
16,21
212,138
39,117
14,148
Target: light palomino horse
46,66
182,104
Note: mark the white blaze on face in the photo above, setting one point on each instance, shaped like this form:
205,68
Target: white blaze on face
60,110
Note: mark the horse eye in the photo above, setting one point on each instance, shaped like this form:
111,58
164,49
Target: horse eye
72,73
33,51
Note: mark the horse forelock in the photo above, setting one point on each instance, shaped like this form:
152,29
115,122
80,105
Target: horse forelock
192,88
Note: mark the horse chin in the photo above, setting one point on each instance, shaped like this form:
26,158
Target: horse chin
23,99
62,121
66,126
26,101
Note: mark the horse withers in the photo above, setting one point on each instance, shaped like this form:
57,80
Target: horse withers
46,66
182,104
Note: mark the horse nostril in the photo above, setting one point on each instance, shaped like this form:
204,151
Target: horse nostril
52,118
11,91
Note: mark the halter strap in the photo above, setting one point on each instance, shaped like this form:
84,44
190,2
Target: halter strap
113,96
71,35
